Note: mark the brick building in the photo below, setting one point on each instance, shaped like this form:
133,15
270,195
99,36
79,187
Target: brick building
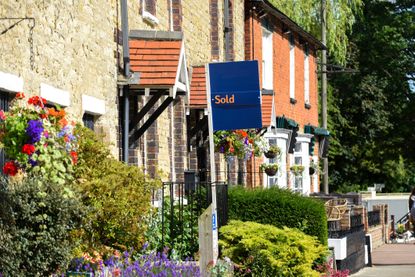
71,54
288,55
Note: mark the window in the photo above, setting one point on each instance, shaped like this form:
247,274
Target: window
4,105
267,71
298,160
280,139
292,67
272,180
301,183
149,11
306,76
89,121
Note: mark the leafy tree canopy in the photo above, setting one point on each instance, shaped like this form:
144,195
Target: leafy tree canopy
372,113
340,18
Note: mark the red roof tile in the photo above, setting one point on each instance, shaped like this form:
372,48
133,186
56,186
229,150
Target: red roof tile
198,87
266,110
157,61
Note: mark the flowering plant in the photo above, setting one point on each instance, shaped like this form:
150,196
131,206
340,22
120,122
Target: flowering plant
240,143
297,169
37,139
269,169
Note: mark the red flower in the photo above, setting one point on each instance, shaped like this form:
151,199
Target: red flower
28,149
2,115
74,156
10,168
37,101
20,95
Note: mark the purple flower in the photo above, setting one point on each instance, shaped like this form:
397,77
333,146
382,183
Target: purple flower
33,163
34,130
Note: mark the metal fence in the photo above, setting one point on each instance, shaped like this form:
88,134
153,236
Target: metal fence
180,206
373,218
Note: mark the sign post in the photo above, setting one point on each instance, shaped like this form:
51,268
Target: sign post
234,102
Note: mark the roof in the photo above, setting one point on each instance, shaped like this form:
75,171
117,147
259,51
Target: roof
267,109
198,87
159,58
291,24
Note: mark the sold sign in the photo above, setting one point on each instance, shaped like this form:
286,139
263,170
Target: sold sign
235,96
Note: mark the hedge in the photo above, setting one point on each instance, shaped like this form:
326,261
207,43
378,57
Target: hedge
265,250
280,208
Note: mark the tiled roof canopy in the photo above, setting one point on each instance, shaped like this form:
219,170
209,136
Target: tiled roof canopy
266,108
198,88
159,58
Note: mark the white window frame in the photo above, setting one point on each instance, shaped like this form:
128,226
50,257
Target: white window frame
306,75
292,65
304,139
148,16
281,135
267,59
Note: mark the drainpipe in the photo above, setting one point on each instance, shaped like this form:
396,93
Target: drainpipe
126,88
227,30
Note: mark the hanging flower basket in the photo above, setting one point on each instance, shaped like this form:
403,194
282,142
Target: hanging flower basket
274,151
313,168
297,169
240,143
269,169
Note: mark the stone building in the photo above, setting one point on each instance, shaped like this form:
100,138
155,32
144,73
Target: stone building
71,54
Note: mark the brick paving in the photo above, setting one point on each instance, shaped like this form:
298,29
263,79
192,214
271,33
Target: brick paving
394,254
391,260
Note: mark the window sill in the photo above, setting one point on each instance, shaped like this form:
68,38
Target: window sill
293,101
307,106
149,18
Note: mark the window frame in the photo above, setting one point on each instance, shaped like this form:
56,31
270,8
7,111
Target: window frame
306,75
149,11
267,58
292,66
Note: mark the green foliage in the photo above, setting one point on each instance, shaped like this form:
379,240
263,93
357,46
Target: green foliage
340,18
265,250
371,113
279,208
118,195
37,219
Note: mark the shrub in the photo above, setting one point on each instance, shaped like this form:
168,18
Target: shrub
280,208
118,195
36,221
265,250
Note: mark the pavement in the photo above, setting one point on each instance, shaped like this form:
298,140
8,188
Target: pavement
391,260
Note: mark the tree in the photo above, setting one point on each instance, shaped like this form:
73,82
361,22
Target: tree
372,112
340,19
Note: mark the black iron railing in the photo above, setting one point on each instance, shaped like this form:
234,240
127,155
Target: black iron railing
373,218
180,205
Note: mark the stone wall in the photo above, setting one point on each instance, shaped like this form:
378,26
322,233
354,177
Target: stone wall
73,50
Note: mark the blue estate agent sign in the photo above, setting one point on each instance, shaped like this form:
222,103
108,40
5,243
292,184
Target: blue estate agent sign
235,95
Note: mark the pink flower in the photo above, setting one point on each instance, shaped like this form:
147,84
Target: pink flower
2,115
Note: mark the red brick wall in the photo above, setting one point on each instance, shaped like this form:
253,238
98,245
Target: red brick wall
281,60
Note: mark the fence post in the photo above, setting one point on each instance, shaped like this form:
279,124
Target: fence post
205,241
